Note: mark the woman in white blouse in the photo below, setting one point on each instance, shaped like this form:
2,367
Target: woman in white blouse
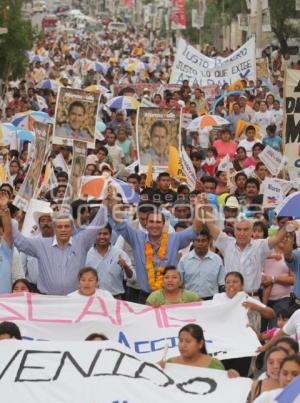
88,285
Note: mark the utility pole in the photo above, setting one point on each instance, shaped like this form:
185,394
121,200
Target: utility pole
259,28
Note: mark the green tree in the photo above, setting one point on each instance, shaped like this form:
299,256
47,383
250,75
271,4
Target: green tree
282,12
13,45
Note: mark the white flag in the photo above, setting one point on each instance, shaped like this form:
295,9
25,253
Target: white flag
225,164
188,169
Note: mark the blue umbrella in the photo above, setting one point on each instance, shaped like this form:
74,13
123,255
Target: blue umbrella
290,393
226,94
25,135
36,58
290,207
49,84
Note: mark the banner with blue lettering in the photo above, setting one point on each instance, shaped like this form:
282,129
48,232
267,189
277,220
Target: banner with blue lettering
200,70
144,329
105,372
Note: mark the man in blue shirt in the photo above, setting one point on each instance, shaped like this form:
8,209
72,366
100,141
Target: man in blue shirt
155,227
6,246
201,270
61,257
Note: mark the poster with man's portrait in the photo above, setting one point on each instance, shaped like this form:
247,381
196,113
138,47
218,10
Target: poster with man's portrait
75,116
77,171
157,131
30,184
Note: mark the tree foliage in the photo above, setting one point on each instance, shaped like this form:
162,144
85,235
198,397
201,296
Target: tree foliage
13,45
281,14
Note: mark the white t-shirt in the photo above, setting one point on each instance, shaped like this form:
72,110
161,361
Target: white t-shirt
292,327
268,397
98,293
222,298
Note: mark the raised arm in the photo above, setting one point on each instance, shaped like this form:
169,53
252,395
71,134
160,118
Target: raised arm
206,215
89,235
282,233
288,248
6,219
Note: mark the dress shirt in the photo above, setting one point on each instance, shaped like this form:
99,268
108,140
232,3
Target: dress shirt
137,240
6,254
249,261
111,275
59,266
202,275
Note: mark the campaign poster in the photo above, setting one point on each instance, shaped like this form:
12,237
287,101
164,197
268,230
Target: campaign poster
77,171
29,187
157,131
75,116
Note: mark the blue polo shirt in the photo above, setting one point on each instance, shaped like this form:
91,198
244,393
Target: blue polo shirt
5,267
295,267
137,238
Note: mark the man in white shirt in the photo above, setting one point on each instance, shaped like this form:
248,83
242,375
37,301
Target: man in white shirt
242,253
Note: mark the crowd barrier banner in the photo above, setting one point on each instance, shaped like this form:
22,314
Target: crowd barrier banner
106,372
200,70
144,329
291,125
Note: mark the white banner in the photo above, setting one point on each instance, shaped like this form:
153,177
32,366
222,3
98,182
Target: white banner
272,159
106,372
201,70
291,126
142,328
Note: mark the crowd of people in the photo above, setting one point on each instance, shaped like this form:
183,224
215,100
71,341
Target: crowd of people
177,244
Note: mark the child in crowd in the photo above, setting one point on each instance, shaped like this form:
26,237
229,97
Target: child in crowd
209,164
282,317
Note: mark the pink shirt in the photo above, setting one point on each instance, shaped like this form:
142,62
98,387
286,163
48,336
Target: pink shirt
273,267
225,148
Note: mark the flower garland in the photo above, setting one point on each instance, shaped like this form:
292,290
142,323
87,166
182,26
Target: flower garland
155,276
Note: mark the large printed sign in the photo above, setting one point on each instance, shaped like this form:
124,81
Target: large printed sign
201,70
142,328
30,184
291,125
157,130
100,372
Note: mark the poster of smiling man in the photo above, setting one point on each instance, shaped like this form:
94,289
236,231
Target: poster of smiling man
157,131
75,116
